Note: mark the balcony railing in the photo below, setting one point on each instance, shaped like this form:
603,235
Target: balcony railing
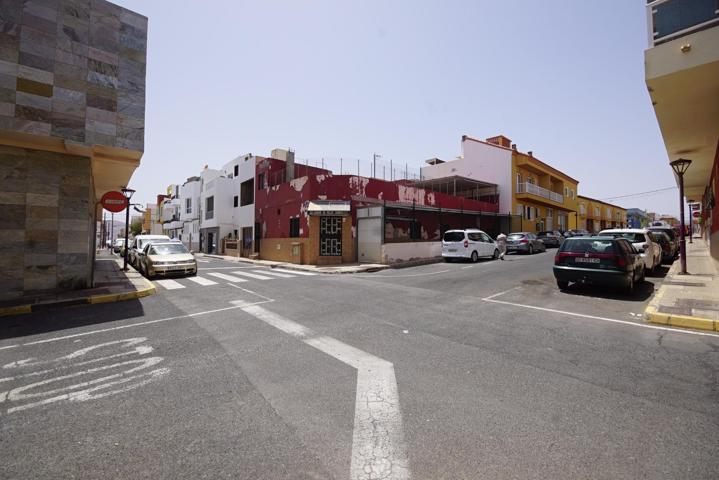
532,189
670,19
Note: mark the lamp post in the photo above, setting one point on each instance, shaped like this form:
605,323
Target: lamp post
680,166
128,194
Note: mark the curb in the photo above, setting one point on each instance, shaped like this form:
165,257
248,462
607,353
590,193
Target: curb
91,300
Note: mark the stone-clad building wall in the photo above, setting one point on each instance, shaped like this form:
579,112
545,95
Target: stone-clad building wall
46,218
72,108
73,69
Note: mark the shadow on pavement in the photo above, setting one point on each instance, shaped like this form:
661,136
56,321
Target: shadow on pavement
642,291
60,318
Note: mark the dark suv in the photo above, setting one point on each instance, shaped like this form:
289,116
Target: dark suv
673,238
600,261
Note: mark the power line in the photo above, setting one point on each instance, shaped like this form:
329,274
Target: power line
641,193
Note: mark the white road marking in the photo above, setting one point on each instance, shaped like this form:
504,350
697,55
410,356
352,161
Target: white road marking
229,278
274,274
35,394
500,293
140,324
225,268
378,447
267,299
202,281
293,272
8,346
253,275
594,317
169,284
203,261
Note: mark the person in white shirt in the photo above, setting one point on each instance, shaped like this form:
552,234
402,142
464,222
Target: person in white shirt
502,244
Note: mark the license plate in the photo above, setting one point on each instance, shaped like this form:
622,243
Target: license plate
586,260
452,250
511,247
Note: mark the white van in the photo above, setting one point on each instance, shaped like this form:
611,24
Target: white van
138,243
470,244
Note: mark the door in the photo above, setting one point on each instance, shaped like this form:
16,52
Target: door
210,242
246,241
369,240
331,236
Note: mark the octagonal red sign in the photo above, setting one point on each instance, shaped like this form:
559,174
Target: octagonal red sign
114,202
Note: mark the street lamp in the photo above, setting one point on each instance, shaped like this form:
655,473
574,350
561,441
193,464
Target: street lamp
128,194
680,166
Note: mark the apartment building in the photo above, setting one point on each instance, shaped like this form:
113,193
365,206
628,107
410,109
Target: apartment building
216,200
595,215
241,172
170,212
682,76
542,196
189,197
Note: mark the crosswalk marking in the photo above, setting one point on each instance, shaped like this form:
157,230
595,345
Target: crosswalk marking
252,275
293,272
281,275
169,284
229,278
203,261
202,281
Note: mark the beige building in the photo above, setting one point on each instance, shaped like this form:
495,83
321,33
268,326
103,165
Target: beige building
72,107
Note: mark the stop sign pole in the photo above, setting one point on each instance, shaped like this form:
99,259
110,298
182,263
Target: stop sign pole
127,193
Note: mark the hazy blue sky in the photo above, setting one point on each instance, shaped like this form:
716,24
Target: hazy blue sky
563,78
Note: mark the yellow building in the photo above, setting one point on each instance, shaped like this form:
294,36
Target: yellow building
595,215
545,197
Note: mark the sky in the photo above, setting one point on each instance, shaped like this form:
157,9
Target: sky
404,79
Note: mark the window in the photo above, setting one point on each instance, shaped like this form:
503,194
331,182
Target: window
247,193
188,205
519,180
566,191
485,238
235,201
609,213
294,227
453,236
209,208
237,170
520,210
475,236
260,181
597,212
549,213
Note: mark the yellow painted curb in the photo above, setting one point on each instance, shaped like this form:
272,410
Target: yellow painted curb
119,297
682,321
4,311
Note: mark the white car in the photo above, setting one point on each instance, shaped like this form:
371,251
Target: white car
468,244
138,243
641,239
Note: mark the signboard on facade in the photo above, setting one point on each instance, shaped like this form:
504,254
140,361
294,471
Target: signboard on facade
114,202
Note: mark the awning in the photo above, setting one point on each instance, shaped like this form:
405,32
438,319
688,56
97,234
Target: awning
328,207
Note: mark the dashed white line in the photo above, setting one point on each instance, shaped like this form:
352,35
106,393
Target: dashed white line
202,281
169,284
378,447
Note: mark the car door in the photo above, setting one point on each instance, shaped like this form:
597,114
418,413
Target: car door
487,245
475,243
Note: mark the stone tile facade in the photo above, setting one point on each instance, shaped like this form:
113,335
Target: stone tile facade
73,69
47,218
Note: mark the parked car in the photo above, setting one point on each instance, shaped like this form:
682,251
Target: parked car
525,242
166,258
468,244
641,239
118,244
600,260
551,238
577,232
673,238
665,242
138,243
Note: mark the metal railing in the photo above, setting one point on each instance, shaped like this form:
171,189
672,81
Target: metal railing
532,189
671,19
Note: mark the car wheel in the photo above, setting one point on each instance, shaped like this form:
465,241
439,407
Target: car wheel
530,251
644,275
562,285
475,257
495,255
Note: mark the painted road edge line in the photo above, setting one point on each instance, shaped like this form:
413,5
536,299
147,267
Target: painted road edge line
378,447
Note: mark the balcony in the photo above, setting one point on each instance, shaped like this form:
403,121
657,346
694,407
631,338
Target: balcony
671,19
537,191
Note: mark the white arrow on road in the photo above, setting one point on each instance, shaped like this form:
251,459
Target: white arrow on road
378,448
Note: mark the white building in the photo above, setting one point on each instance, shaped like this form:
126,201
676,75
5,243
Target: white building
241,171
216,209
190,213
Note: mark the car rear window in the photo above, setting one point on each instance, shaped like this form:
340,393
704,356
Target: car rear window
454,236
670,233
632,237
516,236
588,245
167,249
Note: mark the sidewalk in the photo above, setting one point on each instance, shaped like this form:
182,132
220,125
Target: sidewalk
689,301
111,285
345,268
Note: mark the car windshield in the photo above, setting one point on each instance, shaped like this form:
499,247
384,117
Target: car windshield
454,236
167,249
668,231
632,237
516,236
588,245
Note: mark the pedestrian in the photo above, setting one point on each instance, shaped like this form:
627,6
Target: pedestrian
502,244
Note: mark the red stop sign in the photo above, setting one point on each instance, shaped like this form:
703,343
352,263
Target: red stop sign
114,202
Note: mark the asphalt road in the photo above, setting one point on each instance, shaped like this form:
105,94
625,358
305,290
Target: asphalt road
456,371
